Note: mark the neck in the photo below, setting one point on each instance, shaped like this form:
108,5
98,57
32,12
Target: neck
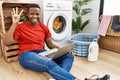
33,24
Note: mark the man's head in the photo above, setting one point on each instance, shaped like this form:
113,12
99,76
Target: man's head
34,14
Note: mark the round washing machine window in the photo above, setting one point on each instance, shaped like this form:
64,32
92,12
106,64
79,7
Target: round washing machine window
58,25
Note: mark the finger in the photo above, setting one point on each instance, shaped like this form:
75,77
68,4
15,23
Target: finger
16,10
13,11
21,12
70,51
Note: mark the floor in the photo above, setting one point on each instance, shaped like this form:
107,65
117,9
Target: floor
108,63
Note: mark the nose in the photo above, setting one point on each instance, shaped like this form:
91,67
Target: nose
34,15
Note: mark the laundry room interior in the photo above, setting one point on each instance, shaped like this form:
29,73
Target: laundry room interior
92,25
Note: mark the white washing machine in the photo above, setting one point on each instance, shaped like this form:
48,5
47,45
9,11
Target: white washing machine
57,15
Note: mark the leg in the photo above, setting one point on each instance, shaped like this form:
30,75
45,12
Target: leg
65,61
33,61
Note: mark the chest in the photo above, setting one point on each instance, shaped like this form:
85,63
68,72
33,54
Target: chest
36,33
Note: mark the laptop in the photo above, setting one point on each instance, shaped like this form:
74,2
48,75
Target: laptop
56,53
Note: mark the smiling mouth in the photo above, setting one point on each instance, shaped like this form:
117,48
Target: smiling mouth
34,20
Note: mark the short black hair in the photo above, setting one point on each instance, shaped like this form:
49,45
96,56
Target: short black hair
34,6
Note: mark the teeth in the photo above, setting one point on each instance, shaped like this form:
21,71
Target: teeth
34,20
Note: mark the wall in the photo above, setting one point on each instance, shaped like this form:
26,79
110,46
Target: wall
94,17
92,27
111,7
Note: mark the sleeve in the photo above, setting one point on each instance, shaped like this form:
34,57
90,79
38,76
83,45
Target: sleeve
16,34
47,34
47,31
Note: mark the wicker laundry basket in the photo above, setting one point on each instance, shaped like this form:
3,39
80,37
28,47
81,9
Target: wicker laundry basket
112,39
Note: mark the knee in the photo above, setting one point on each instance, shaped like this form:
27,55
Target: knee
51,64
69,55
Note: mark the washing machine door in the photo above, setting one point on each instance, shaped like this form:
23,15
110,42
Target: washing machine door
58,25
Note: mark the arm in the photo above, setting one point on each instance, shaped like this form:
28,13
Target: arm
8,39
50,44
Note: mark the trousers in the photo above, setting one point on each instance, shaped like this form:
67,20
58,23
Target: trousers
58,68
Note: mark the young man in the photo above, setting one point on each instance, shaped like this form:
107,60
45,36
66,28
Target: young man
31,36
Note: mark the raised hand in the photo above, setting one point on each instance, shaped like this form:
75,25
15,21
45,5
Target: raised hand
16,15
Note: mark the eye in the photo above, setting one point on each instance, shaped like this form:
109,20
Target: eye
31,13
37,14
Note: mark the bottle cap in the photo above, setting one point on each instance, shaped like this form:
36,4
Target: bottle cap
94,40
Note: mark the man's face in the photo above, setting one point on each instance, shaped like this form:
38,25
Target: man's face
33,15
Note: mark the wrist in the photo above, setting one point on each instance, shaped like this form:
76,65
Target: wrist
14,23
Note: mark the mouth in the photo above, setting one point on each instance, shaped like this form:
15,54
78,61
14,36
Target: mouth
34,20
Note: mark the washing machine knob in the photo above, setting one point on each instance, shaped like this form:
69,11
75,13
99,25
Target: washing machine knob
59,6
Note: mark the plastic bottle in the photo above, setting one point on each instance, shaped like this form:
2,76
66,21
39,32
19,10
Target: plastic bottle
93,51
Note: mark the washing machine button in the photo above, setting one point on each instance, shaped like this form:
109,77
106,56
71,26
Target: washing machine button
59,6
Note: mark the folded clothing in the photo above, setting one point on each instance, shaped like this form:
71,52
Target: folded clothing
116,24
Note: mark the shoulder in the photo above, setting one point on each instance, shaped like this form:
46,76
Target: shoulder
43,26
22,24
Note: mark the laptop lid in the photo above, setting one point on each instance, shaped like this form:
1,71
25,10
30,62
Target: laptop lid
63,50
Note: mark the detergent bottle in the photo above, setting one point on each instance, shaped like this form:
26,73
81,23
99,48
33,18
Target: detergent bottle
93,51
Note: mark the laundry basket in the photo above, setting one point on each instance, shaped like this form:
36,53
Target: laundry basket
82,40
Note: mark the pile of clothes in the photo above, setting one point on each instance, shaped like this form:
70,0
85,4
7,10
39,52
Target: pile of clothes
116,23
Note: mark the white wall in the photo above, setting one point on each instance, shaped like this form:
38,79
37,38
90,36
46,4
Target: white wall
93,16
92,27
111,7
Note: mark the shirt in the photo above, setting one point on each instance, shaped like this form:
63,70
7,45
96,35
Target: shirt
31,37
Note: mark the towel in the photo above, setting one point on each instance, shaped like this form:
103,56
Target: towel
104,25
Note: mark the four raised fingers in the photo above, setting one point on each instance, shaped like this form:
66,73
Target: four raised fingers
15,11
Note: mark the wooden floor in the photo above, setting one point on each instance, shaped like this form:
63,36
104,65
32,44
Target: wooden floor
108,63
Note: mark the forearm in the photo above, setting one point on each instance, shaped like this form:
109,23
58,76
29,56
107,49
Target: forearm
53,46
8,39
50,44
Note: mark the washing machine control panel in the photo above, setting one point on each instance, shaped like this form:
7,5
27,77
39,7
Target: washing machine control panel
59,5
